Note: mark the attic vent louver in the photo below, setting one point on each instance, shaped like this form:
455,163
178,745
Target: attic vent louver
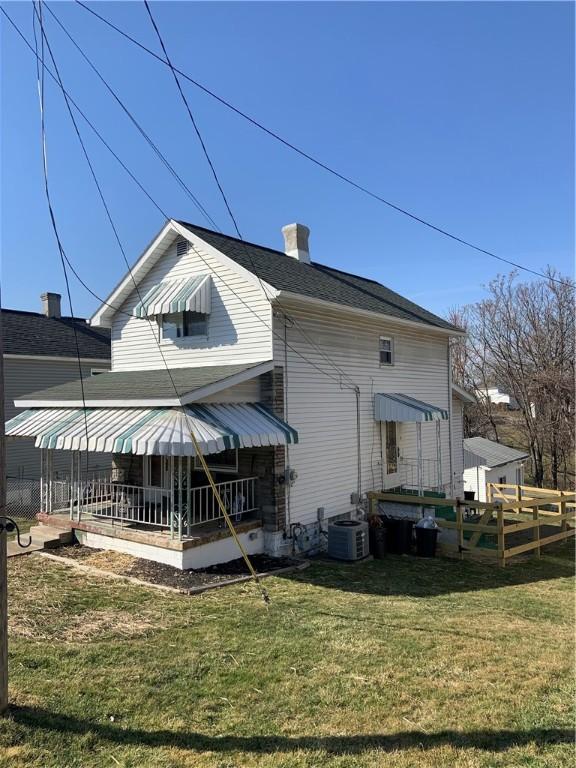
181,247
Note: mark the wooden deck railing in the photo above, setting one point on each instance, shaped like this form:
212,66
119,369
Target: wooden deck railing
517,520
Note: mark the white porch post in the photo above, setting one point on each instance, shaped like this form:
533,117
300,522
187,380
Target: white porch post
42,500
171,473
439,455
419,454
72,485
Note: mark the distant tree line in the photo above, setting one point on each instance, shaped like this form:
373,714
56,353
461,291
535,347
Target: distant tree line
521,338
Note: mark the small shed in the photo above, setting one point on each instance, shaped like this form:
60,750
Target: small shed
486,461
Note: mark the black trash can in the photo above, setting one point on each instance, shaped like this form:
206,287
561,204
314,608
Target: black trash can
398,534
377,541
426,539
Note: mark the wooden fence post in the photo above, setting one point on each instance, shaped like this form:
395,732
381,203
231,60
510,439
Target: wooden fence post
460,528
489,493
501,544
536,532
564,523
518,497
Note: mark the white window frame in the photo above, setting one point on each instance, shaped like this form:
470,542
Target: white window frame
391,350
227,470
182,339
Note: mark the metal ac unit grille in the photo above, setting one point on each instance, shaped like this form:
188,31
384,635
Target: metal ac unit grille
348,540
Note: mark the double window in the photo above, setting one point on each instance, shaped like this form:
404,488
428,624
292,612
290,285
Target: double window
182,325
386,350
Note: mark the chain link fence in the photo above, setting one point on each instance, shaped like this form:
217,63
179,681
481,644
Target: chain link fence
22,497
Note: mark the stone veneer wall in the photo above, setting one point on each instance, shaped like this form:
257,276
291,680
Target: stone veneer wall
272,396
128,468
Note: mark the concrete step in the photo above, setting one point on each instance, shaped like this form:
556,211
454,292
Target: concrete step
43,537
49,537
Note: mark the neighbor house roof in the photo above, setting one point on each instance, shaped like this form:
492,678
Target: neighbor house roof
317,281
33,333
489,453
150,387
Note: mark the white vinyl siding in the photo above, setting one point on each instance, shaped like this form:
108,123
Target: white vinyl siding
238,328
22,377
325,414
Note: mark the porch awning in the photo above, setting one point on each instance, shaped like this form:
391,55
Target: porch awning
191,293
153,431
397,407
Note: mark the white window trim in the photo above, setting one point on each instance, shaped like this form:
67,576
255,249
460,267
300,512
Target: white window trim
216,467
392,350
184,341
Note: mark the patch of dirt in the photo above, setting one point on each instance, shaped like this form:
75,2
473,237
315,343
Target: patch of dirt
167,575
96,623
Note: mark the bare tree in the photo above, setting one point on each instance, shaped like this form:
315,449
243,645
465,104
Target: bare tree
522,338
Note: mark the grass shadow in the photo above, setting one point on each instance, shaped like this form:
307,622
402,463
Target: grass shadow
411,576
490,740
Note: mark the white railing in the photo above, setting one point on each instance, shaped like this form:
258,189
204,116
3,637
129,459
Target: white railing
179,510
199,505
428,475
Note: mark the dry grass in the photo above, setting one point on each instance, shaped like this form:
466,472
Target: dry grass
400,663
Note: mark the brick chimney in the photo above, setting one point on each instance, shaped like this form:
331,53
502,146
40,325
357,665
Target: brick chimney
296,242
50,304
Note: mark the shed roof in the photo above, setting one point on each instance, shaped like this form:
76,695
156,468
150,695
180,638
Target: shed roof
33,333
316,280
490,453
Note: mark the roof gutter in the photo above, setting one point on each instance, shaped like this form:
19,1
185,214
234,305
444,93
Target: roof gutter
340,308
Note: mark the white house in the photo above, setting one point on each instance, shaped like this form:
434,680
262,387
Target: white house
486,461
304,386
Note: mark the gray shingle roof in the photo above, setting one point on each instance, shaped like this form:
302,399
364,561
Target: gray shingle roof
316,280
139,385
32,333
490,453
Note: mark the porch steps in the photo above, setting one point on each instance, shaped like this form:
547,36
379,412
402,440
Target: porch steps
43,537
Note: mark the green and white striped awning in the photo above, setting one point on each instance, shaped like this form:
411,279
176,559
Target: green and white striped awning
397,407
189,294
153,431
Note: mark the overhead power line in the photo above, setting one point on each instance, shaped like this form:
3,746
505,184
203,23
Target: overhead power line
41,61
319,163
63,257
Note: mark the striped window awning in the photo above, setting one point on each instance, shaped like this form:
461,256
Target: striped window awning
397,407
153,431
189,294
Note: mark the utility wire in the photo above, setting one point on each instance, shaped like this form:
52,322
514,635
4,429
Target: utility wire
63,259
131,117
149,196
316,161
221,188
197,448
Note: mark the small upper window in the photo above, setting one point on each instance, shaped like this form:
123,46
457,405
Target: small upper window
386,350
180,325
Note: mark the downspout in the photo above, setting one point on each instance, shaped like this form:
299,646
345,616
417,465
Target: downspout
450,440
358,440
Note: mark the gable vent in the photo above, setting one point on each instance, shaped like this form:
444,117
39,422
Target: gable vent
182,247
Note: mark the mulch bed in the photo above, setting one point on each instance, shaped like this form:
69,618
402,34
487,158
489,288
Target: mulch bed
167,575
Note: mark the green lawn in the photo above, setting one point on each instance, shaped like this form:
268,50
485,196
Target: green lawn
402,662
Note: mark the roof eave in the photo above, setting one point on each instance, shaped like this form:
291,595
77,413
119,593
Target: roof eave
322,303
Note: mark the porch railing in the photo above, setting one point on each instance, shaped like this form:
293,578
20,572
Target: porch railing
178,510
428,476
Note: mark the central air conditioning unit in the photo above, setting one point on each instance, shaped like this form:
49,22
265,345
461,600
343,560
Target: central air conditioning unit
348,540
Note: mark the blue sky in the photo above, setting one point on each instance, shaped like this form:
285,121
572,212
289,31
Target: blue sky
461,112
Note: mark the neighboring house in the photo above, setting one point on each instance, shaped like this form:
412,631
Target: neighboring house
497,397
305,387
486,461
40,351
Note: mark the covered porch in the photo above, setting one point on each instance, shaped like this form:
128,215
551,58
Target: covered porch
411,461
155,484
